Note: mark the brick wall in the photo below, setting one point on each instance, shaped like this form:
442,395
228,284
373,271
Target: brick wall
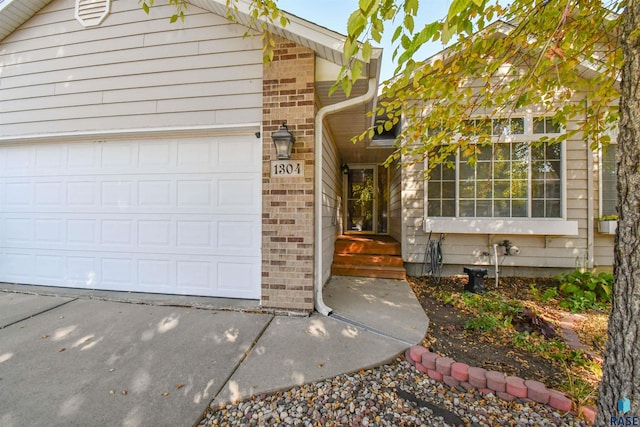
287,202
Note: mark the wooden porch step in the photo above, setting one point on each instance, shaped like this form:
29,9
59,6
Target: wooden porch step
369,271
368,256
370,260
369,246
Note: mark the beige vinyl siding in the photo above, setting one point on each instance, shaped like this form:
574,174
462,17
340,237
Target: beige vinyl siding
395,202
331,207
565,252
132,71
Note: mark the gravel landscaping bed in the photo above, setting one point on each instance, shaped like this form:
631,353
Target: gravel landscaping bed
390,395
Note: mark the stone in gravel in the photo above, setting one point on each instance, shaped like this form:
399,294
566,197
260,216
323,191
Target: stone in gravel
378,388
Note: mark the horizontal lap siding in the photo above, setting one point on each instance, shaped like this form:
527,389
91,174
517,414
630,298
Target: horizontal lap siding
331,193
132,71
536,251
395,208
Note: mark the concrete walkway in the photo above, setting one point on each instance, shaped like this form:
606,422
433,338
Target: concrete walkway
71,357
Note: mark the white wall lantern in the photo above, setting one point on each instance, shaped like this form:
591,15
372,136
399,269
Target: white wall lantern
91,13
283,141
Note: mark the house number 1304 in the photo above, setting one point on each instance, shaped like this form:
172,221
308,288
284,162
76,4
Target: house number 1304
287,168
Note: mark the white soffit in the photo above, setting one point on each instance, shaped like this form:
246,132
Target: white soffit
14,13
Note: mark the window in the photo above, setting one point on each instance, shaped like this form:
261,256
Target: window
608,181
512,177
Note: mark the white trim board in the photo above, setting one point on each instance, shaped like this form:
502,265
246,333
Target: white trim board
531,227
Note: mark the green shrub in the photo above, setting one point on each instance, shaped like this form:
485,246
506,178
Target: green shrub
548,294
585,290
483,322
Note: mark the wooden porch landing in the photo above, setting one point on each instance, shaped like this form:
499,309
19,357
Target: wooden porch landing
368,256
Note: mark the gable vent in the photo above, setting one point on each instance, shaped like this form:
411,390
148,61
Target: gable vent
92,12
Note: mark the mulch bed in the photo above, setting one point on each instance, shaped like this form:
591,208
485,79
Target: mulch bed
447,334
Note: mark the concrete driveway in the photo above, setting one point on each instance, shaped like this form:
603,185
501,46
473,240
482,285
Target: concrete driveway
79,361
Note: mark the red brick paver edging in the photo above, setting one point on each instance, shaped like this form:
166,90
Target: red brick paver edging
452,373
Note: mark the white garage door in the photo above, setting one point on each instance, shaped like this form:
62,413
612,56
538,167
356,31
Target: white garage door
177,216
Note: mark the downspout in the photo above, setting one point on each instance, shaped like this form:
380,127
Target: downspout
590,210
320,115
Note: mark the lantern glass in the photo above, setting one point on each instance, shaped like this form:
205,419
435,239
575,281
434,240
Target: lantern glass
283,140
283,148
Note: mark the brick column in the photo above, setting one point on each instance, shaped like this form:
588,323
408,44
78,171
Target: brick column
287,202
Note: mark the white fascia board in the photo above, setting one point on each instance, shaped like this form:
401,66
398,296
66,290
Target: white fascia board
524,226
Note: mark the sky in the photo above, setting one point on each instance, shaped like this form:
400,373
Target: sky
333,14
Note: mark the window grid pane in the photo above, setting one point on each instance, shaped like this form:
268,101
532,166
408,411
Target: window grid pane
441,192
509,179
609,195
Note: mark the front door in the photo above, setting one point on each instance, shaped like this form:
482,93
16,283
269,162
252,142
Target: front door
367,199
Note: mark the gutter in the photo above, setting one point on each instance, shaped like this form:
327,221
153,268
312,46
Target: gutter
320,306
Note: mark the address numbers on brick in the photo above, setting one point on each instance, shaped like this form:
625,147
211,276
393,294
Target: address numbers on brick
282,168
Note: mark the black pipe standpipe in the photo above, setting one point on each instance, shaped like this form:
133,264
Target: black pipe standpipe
476,279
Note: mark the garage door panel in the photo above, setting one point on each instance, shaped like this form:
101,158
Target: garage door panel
50,193
19,231
166,215
49,156
155,233
156,274
49,230
237,235
19,266
81,271
196,193
235,275
223,276
18,159
230,154
81,157
238,155
18,195
239,195
49,267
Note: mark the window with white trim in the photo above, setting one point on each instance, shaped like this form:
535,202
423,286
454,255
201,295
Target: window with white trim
516,176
